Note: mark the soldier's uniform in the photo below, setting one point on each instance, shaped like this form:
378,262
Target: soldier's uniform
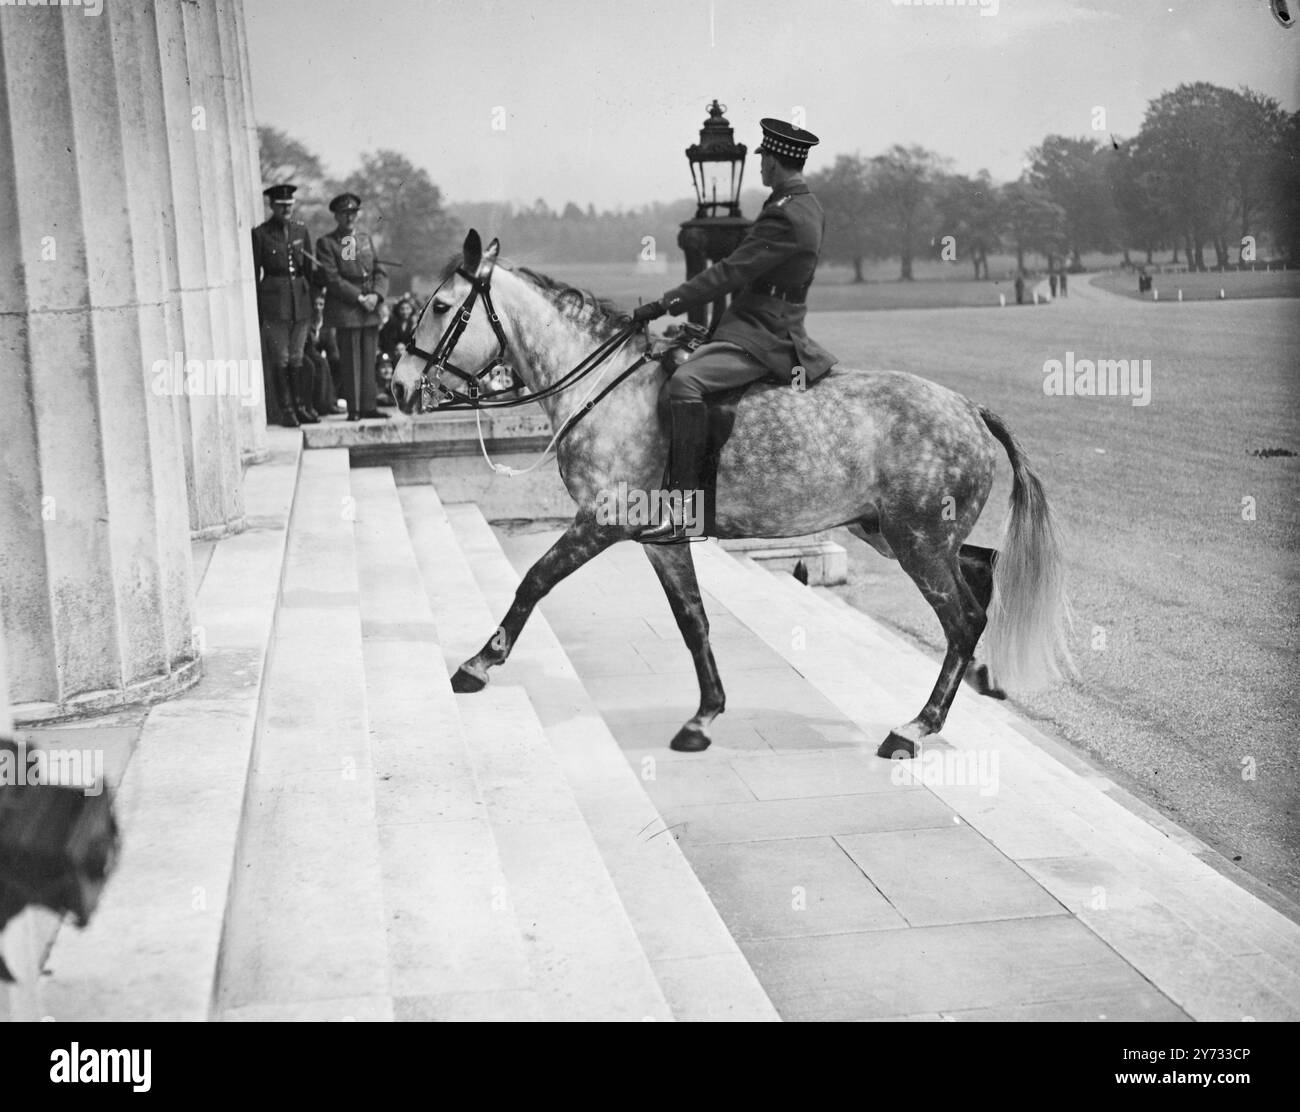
282,265
351,269
761,334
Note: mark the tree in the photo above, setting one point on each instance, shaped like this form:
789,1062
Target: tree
1186,135
1144,222
1283,189
968,209
900,189
405,216
1033,221
843,192
1073,173
284,160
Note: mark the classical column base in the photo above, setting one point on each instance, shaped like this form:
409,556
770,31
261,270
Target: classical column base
92,703
219,532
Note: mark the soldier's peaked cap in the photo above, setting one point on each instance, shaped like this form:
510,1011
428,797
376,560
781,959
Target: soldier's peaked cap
785,139
280,193
345,201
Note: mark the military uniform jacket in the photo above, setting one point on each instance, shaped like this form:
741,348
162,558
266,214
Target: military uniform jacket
780,249
283,270
350,268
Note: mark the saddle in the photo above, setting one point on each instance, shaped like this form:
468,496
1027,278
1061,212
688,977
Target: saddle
722,408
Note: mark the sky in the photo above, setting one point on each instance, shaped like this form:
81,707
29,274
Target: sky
595,101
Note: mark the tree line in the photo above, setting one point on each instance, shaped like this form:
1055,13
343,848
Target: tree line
1210,168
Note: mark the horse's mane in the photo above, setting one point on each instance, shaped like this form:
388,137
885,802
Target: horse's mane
580,306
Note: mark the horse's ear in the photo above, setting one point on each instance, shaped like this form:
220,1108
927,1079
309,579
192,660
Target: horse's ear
473,250
485,268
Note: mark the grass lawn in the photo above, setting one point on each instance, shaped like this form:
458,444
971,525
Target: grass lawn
1206,287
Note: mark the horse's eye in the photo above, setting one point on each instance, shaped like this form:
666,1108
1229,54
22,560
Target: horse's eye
441,306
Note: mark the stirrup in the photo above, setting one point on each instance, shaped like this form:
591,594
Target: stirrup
671,530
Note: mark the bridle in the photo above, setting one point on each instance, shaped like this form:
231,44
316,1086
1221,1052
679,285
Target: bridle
439,360
434,395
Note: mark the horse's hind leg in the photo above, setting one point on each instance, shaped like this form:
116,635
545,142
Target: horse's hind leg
940,578
582,541
676,570
977,571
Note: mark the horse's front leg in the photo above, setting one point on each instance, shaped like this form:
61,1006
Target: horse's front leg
676,570
583,540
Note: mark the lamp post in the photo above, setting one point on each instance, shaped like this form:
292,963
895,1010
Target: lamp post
717,171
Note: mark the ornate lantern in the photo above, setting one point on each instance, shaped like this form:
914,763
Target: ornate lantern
717,172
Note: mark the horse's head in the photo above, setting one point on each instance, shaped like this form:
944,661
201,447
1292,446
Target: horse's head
475,349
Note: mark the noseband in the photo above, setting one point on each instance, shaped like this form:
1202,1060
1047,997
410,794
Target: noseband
432,392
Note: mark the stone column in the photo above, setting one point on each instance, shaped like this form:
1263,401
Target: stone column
227,70
94,525
199,173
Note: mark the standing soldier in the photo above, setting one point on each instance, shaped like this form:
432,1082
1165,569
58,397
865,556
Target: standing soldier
355,286
282,264
761,334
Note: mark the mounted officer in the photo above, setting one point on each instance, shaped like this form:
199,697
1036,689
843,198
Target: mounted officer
761,335
355,286
282,264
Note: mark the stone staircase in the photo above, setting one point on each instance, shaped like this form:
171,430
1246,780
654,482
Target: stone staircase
407,853
323,830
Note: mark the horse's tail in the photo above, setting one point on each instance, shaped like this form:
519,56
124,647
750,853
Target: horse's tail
1029,614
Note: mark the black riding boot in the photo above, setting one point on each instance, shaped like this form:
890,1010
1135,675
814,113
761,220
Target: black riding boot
690,434
284,398
302,396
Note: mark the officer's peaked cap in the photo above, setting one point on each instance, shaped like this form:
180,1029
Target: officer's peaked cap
345,201
280,193
785,139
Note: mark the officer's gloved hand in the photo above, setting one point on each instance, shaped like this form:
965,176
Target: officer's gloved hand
651,311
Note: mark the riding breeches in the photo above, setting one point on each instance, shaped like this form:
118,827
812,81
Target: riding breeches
714,367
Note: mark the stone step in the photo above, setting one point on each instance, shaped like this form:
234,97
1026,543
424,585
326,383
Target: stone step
694,958
1126,879
586,958
455,949
702,969
306,935
151,950
587,962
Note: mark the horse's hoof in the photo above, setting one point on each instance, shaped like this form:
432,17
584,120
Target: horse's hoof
690,739
466,683
980,680
896,747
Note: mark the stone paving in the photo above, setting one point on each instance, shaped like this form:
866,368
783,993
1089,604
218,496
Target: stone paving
852,895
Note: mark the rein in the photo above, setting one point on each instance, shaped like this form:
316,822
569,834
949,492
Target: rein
475,398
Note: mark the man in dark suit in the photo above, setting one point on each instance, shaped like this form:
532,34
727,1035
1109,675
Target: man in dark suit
355,286
282,264
761,335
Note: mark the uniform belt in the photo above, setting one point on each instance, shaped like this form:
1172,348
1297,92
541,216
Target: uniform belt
796,295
